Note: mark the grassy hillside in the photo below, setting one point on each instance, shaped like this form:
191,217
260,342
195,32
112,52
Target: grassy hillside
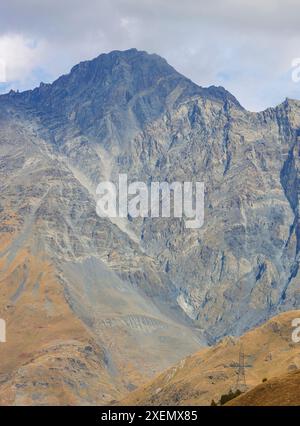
283,390
211,372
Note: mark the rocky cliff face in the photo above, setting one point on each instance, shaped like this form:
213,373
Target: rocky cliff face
147,291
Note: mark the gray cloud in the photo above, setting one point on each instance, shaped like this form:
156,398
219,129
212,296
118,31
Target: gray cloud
246,46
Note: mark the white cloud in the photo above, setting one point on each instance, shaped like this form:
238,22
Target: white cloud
19,57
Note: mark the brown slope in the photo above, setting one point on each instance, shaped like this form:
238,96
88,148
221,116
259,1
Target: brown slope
283,390
49,357
206,375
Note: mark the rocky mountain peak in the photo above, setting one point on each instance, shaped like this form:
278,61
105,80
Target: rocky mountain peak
142,287
114,79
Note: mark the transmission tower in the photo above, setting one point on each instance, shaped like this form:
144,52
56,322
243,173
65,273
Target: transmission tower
241,378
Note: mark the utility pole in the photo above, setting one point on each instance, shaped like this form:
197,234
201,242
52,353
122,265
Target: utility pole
241,378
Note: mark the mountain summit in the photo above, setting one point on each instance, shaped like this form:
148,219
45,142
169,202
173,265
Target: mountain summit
131,84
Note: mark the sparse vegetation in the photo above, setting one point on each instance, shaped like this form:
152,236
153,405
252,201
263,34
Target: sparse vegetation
229,396
226,397
264,379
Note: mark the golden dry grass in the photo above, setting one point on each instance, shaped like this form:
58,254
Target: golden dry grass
211,372
283,391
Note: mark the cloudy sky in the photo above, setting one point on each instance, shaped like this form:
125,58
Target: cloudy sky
247,46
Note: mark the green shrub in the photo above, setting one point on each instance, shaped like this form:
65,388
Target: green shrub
229,396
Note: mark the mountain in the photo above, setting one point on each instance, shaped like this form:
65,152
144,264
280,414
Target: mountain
142,293
279,391
212,372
